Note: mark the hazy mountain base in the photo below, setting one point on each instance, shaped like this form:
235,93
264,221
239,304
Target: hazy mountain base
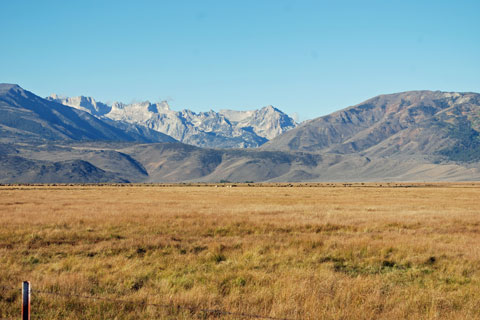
20,170
175,162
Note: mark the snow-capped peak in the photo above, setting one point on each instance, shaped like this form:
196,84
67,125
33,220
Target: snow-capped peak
87,104
227,128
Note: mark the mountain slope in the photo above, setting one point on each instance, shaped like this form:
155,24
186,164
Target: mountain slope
413,123
101,155
15,169
27,116
169,162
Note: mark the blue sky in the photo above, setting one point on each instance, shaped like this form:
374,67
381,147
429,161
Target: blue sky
308,57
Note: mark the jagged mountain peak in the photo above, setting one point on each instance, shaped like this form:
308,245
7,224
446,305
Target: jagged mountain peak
226,128
156,107
55,96
163,105
236,115
268,122
270,108
87,104
118,105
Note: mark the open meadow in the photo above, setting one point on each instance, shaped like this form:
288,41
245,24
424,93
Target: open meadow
307,251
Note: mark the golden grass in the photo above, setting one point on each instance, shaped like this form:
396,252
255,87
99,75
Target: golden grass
303,252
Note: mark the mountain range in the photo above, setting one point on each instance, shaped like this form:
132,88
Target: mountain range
408,136
224,129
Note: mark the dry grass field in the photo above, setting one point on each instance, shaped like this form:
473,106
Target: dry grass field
304,252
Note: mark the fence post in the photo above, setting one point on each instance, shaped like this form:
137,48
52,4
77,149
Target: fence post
26,300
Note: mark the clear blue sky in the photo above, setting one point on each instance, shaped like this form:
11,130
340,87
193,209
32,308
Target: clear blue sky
309,57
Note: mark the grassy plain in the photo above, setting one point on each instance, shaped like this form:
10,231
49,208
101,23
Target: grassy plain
361,251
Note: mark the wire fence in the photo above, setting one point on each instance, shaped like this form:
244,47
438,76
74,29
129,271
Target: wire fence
191,309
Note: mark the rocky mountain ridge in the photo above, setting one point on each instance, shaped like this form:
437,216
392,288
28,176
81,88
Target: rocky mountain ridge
224,129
